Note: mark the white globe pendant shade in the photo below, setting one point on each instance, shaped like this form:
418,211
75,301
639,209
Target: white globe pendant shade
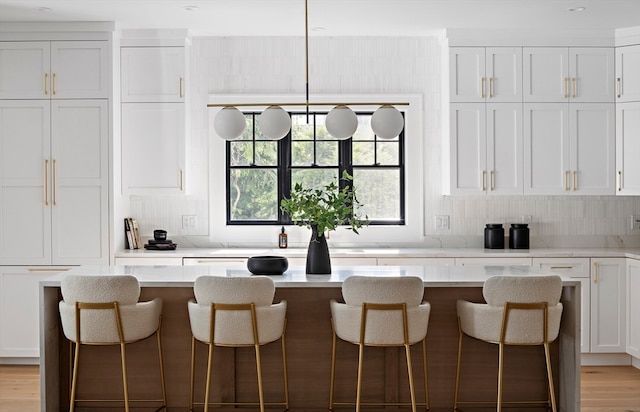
274,122
341,122
387,122
229,123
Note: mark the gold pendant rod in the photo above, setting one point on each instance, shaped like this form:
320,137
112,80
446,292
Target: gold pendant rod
309,104
306,52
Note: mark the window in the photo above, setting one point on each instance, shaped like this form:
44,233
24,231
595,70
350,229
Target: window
261,172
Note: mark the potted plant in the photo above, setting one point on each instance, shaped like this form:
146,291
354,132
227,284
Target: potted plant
322,210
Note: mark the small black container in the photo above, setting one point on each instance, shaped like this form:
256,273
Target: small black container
160,234
519,236
494,236
267,265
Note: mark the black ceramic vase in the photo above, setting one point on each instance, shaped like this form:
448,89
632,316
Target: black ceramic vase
318,260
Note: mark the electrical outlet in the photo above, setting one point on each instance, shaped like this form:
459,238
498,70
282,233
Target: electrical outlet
527,219
441,222
635,222
189,221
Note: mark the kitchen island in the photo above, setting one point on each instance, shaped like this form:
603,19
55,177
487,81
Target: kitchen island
309,345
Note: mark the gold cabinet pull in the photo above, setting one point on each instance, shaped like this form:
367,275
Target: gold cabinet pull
574,87
619,180
53,270
561,267
618,88
483,180
46,182
55,181
566,87
482,81
46,78
490,86
53,83
596,272
492,178
181,87
575,180
181,180
566,180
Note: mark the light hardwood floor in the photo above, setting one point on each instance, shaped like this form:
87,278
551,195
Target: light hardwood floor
604,389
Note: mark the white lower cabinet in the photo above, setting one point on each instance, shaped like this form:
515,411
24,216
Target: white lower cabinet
577,268
608,305
504,261
633,307
20,310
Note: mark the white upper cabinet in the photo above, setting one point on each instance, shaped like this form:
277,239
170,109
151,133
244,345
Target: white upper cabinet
486,148
560,74
569,149
54,70
153,74
491,74
628,148
628,73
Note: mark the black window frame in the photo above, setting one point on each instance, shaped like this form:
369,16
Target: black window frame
284,171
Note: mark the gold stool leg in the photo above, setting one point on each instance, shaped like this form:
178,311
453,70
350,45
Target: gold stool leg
359,386
500,370
74,379
333,371
259,371
193,372
412,391
550,377
125,384
426,375
455,399
206,390
285,375
160,359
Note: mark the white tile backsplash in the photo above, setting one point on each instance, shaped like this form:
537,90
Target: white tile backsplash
369,65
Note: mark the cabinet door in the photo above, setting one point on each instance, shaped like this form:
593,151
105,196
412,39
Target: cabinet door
153,74
79,69
592,129
504,74
468,148
467,74
546,148
591,74
627,77
628,148
19,310
545,74
578,268
633,307
608,306
493,261
80,183
504,149
25,194
153,148
24,70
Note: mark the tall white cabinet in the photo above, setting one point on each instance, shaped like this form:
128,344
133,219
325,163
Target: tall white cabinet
154,123
633,307
54,170
608,305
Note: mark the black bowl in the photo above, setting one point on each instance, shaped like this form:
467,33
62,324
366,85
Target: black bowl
267,265
160,234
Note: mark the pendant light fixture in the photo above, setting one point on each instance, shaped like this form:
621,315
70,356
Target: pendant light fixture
341,122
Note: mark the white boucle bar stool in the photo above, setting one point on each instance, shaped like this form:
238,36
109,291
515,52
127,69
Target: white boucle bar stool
385,312
104,310
520,310
236,312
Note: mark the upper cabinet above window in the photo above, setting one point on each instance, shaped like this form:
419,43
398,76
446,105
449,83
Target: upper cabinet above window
153,74
54,70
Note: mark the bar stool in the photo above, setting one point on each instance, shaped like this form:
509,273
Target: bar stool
236,312
104,310
520,310
385,312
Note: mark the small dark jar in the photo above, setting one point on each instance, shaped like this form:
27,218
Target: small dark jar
494,236
519,236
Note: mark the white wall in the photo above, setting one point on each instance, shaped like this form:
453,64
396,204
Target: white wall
368,65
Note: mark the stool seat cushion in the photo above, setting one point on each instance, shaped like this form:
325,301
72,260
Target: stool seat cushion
139,319
384,327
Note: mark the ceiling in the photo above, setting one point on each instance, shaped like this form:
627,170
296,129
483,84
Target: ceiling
331,17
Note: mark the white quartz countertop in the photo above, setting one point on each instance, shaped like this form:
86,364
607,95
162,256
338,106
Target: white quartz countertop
633,253
433,276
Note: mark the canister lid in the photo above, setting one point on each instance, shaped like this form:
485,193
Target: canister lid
494,225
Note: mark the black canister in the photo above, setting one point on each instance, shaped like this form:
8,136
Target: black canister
519,236
494,236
